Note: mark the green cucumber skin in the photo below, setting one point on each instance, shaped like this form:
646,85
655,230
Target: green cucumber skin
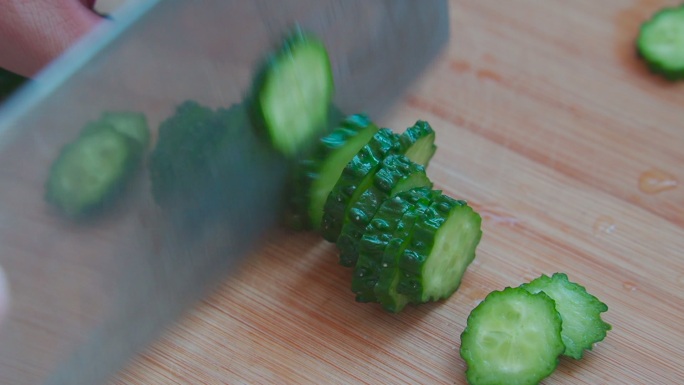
421,131
316,169
389,277
580,331
396,174
376,238
483,369
297,37
83,207
415,256
347,188
655,65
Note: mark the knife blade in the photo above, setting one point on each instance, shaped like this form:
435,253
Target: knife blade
85,298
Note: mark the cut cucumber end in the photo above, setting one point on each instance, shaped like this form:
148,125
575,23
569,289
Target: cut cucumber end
89,170
660,42
453,251
294,93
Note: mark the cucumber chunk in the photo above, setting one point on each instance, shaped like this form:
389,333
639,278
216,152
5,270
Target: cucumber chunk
660,42
292,93
580,311
512,337
90,170
356,178
396,174
334,151
418,142
443,245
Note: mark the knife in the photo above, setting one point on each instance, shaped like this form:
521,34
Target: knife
86,297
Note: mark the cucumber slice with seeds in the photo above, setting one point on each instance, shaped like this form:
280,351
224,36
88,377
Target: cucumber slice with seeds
660,42
580,311
443,245
512,337
356,177
396,174
90,170
292,93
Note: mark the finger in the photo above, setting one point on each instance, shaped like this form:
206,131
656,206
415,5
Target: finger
35,32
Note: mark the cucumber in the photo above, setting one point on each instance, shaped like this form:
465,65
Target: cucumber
292,93
396,174
660,42
580,311
443,245
90,170
386,289
320,172
376,238
131,124
356,177
418,143
512,337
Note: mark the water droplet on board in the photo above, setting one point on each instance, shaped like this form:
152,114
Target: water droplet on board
630,286
656,181
604,225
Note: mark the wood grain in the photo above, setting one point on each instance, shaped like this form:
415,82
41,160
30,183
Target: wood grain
552,129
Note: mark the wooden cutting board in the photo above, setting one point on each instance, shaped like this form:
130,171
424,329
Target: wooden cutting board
572,153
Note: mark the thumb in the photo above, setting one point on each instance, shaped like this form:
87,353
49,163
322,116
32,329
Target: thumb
35,32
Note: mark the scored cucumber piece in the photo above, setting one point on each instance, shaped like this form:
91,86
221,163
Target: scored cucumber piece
418,142
443,245
396,174
376,238
389,277
323,168
292,93
90,170
660,42
512,337
580,311
356,177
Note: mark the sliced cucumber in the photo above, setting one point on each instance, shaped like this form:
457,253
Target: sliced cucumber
292,93
660,42
131,124
90,170
580,311
512,337
320,172
443,245
396,174
376,238
418,142
356,177
386,288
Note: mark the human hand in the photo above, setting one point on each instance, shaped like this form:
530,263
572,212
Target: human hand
34,32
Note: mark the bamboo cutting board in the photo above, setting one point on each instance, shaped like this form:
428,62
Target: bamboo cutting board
571,152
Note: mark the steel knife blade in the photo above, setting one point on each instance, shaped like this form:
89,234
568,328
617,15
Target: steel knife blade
86,297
